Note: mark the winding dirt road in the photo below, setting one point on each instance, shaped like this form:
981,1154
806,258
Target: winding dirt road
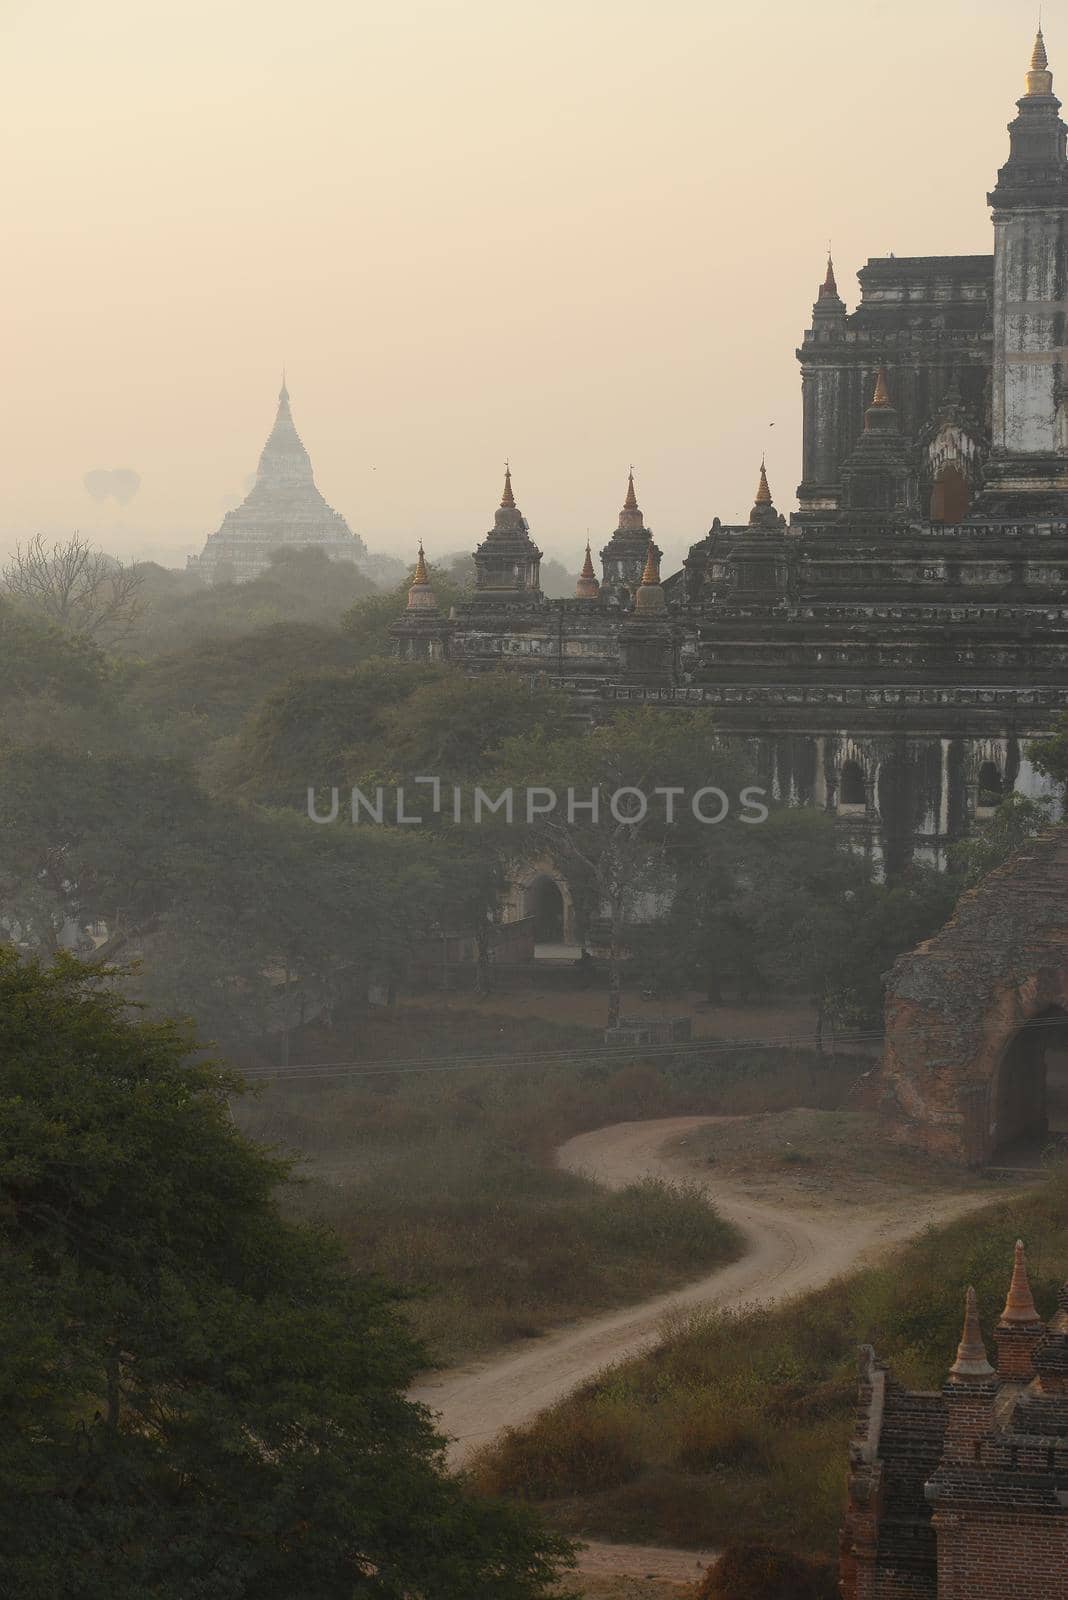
788,1251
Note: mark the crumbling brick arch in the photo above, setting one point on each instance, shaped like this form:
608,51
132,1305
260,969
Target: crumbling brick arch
958,1003
523,883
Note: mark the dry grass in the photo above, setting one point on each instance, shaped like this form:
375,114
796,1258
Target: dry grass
838,1155
736,1427
442,1181
621,1588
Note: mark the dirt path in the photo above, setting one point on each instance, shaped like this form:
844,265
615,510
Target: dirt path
788,1251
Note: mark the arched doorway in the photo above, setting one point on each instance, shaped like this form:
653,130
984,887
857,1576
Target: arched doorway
852,789
950,495
544,901
1029,1094
990,786
898,788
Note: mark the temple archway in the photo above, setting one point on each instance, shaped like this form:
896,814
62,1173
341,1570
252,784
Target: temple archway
538,891
976,1059
1027,1094
543,902
951,495
852,790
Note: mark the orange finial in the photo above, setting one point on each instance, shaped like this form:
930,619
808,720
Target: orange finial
971,1359
1039,77
763,494
1020,1305
652,571
420,568
881,396
631,502
587,565
508,498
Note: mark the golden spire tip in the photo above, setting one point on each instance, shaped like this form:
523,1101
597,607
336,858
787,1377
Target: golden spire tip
631,502
971,1359
1020,1305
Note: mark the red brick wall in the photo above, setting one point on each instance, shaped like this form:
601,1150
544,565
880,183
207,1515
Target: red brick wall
1002,1555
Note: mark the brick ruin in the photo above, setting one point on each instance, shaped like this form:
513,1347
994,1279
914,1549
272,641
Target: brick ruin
963,1494
888,650
976,1016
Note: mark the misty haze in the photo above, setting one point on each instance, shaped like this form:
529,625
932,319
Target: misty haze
533,760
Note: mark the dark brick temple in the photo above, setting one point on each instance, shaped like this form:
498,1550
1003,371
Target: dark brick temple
889,649
963,1494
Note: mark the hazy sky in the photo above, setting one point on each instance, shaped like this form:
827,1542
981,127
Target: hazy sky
578,233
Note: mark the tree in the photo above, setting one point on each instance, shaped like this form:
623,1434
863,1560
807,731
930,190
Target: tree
451,726
199,1397
237,917
625,863
210,688
79,589
1050,755
323,729
38,658
1015,820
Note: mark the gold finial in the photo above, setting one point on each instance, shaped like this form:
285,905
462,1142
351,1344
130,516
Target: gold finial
1039,78
1020,1305
651,573
420,568
587,587
508,498
881,397
971,1359
631,502
763,494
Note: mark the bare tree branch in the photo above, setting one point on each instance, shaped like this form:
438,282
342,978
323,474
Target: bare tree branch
79,589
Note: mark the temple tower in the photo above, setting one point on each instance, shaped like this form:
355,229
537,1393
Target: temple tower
1028,470
283,509
878,479
823,399
624,557
508,562
420,634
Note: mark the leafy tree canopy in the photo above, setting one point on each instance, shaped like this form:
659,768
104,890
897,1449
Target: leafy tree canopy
38,657
1016,820
199,1399
301,586
1050,755
216,683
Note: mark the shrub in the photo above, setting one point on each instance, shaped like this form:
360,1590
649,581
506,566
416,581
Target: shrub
758,1572
580,1450
712,1436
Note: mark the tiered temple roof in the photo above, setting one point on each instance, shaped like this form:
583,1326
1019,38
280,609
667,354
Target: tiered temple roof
284,508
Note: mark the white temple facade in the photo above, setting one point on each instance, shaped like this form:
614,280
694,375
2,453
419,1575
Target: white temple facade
283,509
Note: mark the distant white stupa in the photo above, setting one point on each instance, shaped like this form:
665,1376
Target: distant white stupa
283,508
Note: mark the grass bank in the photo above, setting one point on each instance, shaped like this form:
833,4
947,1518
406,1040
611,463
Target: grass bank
736,1427
443,1180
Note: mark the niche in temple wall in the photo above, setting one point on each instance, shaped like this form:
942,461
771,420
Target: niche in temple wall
953,464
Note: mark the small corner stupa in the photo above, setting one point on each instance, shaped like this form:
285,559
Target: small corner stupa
283,509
